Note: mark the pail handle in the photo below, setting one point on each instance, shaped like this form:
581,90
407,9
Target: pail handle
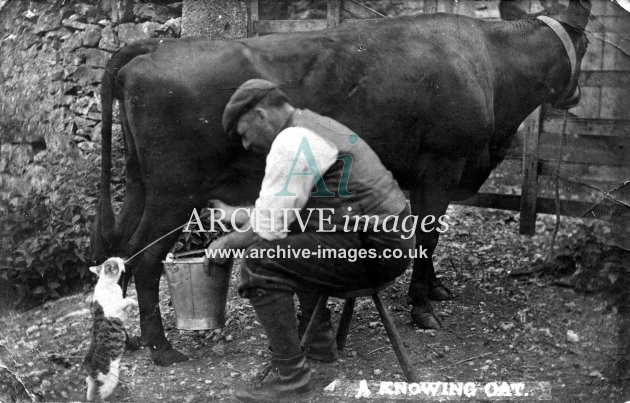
189,253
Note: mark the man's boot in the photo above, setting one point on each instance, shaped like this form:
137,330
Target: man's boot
323,347
292,382
276,313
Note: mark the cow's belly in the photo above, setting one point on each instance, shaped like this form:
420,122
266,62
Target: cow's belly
475,173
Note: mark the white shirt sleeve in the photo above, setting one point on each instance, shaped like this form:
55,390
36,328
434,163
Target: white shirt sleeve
289,156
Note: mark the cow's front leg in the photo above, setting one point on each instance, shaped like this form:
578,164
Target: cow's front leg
436,290
424,285
147,278
423,282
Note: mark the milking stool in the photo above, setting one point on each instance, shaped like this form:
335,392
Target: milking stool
346,317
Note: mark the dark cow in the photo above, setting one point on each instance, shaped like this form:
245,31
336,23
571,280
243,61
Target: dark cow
438,97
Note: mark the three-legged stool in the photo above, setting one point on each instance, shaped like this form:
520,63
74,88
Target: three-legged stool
346,317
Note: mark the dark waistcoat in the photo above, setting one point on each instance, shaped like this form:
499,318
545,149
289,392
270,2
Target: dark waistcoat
369,189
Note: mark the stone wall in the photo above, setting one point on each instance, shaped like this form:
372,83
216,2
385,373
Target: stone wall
52,57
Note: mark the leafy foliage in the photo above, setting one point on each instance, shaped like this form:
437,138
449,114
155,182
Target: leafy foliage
586,262
47,213
196,240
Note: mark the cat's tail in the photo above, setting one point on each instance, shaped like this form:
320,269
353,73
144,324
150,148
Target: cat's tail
105,237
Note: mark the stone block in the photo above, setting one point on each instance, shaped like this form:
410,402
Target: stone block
21,155
122,11
82,122
47,22
74,41
92,36
108,41
93,116
172,27
85,11
56,75
30,15
154,12
87,146
128,33
81,105
93,57
96,133
74,24
85,75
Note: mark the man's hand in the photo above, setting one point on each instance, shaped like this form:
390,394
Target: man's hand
218,244
240,215
233,240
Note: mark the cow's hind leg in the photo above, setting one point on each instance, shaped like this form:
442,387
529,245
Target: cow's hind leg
155,223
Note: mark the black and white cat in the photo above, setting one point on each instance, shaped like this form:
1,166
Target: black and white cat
108,329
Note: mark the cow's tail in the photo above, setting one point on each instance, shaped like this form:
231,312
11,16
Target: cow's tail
104,235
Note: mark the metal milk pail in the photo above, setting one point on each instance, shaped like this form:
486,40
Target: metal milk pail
199,296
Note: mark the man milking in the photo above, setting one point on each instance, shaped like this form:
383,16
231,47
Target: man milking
312,162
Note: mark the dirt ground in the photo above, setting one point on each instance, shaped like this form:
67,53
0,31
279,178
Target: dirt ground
499,328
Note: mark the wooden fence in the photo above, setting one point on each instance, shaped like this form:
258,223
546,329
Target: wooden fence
589,147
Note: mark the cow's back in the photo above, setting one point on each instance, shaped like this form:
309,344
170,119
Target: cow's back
394,82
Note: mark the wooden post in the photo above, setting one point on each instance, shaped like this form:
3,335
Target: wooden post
430,6
252,17
529,188
333,15
449,6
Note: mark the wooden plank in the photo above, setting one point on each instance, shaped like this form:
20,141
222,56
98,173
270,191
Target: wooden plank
493,200
598,7
600,177
612,8
596,150
609,23
615,103
587,108
277,26
252,17
614,58
447,6
617,79
529,188
616,43
588,127
592,174
592,59
333,14
264,27
430,6
547,205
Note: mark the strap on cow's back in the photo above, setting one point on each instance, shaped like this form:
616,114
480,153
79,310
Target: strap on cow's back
561,33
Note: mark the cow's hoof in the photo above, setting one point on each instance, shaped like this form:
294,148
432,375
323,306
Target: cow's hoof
132,343
439,292
424,319
167,356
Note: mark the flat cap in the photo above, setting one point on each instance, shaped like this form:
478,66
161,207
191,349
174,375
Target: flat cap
243,100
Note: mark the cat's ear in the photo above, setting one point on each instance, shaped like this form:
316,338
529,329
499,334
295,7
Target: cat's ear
95,269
